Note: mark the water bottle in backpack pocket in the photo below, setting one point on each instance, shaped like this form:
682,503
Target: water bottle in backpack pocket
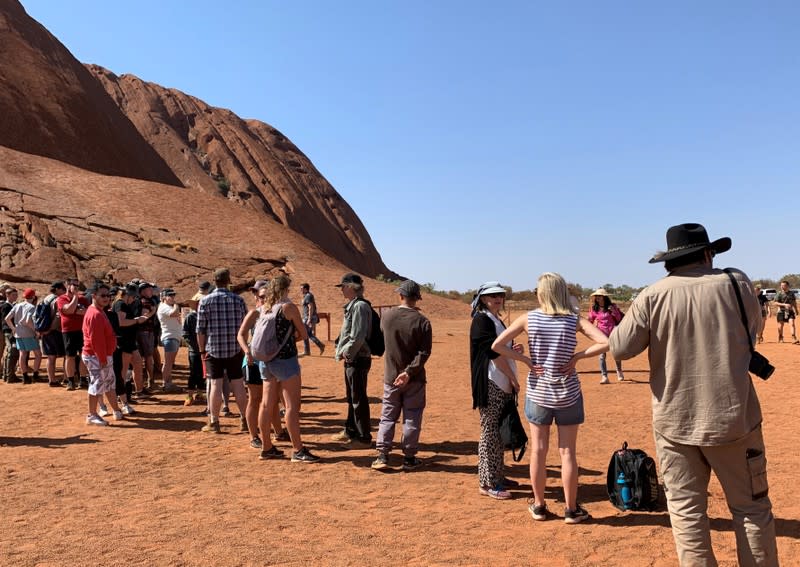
632,480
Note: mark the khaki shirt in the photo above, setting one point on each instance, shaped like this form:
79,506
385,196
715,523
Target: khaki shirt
702,393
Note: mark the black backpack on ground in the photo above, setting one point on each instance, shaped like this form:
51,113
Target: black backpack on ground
632,480
375,341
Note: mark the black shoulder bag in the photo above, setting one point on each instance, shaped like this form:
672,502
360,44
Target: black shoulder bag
512,431
759,365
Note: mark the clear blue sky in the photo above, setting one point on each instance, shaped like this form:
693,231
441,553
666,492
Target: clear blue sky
497,140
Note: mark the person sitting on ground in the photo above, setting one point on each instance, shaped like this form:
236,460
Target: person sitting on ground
169,315
20,320
554,391
606,315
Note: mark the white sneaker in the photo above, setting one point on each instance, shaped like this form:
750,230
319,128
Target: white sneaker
117,415
604,379
103,410
127,409
95,420
620,377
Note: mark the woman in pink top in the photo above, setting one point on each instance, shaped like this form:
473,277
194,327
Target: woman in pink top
605,315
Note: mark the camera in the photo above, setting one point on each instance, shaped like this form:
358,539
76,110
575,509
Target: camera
760,366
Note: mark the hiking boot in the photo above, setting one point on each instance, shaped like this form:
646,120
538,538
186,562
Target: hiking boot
497,492
538,513
273,453
342,437
411,463
604,379
381,462
211,427
304,456
94,419
71,385
575,516
255,443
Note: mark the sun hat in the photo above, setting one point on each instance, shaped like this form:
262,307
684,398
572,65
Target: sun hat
683,239
259,284
600,291
350,278
29,293
486,288
409,289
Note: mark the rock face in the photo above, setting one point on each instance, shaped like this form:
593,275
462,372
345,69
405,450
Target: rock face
50,105
246,161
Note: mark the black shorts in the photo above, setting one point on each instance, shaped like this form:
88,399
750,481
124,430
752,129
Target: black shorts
73,342
53,344
252,375
785,316
218,367
146,342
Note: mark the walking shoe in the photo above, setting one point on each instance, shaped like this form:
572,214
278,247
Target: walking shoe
171,388
283,436
71,385
342,437
189,400
575,516
243,425
118,416
37,378
411,463
304,456
226,412
509,483
496,492
273,453
84,383
143,393
127,409
381,462
538,513
211,427
55,384
102,410
255,443
321,349
620,376
360,443
94,419
26,379
15,380
604,379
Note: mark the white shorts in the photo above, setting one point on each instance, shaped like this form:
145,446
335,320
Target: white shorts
101,380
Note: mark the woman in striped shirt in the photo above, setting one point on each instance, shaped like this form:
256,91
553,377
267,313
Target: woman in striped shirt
554,391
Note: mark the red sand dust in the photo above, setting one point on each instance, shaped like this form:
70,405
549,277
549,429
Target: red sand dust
155,490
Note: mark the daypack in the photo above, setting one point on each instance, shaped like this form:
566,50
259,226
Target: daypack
265,345
43,317
375,341
512,431
632,480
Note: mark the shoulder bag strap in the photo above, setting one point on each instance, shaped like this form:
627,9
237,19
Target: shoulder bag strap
741,307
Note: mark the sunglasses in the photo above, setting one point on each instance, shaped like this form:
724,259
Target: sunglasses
495,295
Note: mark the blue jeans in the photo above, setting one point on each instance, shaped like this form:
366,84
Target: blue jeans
604,369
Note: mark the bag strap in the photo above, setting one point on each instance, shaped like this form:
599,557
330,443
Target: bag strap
741,308
521,449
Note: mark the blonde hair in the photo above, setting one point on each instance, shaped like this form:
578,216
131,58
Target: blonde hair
551,290
277,287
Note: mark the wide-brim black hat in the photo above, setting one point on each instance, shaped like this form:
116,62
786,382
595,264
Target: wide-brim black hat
690,237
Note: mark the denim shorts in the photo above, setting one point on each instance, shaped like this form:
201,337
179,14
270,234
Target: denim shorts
27,344
171,345
280,369
572,415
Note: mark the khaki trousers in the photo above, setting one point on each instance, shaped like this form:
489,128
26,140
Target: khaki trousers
741,468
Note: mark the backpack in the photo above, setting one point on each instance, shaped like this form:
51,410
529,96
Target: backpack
632,480
265,345
512,431
375,341
43,317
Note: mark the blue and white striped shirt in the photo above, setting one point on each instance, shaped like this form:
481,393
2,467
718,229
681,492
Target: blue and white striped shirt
552,342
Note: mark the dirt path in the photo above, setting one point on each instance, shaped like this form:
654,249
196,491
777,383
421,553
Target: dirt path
154,490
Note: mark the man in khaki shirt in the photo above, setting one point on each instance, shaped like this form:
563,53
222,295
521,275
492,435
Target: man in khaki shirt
706,414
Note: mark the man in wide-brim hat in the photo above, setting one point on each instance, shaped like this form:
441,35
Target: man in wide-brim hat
706,414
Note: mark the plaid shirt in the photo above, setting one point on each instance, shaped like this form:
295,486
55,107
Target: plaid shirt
219,317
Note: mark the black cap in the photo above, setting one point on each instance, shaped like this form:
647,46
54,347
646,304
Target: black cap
204,285
145,285
57,285
351,278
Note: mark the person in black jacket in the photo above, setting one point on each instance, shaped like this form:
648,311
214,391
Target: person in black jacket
494,381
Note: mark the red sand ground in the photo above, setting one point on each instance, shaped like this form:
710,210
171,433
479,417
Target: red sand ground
154,490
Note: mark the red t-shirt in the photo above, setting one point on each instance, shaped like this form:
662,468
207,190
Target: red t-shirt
98,335
73,322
